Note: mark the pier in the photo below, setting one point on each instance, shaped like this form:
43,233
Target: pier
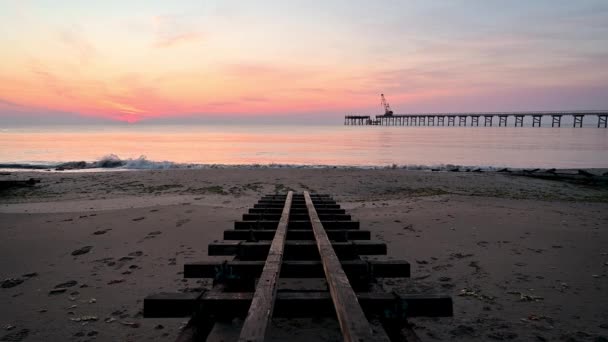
502,119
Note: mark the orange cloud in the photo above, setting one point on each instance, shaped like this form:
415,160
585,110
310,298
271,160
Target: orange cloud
178,39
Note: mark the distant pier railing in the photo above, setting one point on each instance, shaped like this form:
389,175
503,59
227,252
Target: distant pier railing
472,119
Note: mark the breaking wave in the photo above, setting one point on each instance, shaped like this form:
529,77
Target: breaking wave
113,162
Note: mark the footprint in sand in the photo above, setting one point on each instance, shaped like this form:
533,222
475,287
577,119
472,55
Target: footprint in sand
182,222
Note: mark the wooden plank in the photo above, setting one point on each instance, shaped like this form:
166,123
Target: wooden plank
295,217
299,269
294,304
296,234
295,249
283,196
295,210
353,323
328,206
295,225
296,202
260,312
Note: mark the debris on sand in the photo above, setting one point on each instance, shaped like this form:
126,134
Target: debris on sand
11,282
138,218
83,250
460,255
130,324
115,281
526,297
57,291
70,283
475,294
87,318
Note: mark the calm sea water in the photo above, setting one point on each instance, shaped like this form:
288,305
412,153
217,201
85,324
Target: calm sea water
309,145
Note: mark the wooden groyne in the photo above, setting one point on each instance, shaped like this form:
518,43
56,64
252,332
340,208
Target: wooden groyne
297,236
477,119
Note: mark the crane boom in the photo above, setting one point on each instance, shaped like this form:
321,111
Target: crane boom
387,108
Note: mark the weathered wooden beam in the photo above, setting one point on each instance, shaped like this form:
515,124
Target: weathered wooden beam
298,195
295,217
294,304
296,250
295,211
262,305
353,323
295,234
327,206
295,225
298,201
354,269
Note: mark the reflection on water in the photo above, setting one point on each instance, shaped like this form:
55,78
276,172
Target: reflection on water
313,145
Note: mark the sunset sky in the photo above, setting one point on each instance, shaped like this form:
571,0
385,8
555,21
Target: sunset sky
150,60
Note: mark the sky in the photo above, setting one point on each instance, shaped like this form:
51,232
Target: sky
171,61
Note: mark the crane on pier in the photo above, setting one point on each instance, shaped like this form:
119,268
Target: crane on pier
387,108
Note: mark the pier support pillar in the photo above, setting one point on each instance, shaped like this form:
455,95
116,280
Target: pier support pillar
502,120
602,120
451,120
536,119
422,121
488,120
441,120
431,121
414,121
519,120
556,120
578,120
462,120
475,120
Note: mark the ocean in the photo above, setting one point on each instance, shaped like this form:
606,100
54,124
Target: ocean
142,146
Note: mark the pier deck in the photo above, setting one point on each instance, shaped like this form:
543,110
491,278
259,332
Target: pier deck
472,119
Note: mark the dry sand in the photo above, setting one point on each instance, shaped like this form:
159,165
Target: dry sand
524,259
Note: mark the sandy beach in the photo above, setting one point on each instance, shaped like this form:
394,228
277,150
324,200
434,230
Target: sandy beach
523,258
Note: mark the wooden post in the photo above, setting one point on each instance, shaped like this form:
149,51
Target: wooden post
556,120
519,120
260,312
578,120
602,120
536,120
451,119
474,120
353,323
488,120
462,120
502,120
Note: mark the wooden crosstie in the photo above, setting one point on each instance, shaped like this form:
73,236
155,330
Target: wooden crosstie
297,236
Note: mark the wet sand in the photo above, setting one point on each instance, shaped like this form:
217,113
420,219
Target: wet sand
523,258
